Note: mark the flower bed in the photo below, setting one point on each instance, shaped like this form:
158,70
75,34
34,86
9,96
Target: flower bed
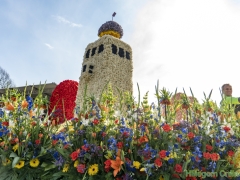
118,139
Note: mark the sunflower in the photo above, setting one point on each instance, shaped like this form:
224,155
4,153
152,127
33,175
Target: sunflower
6,162
93,169
20,164
34,162
65,168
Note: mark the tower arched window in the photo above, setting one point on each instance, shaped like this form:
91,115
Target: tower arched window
88,52
121,52
84,68
114,49
127,55
100,48
90,69
93,51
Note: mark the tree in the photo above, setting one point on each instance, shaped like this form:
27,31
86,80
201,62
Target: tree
5,80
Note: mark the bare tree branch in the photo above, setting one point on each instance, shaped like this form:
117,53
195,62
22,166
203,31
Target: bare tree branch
5,80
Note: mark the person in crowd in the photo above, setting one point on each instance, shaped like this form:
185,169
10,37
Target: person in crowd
227,96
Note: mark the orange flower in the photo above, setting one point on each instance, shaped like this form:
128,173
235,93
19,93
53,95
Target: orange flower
9,106
24,104
143,139
116,165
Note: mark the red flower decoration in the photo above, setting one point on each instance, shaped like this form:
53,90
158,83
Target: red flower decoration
162,153
215,156
74,155
107,165
5,123
230,153
37,141
226,128
95,122
206,155
166,128
158,162
209,147
63,100
120,145
191,135
81,168
178,168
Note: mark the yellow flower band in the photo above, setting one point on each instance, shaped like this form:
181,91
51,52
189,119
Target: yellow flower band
110,32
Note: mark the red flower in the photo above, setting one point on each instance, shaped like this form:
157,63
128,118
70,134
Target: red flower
95,122
215,156
74,155
5,123
166,128
162,154
230,153
116,121
226,128
54,142
178,168
104,134
85,148
107,165
191,135
81,168
207,155
37,141
63,101
120,145
158,162
209,147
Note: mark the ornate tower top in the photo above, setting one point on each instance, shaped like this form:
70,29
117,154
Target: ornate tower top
111,28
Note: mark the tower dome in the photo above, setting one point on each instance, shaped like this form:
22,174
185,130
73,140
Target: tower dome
111,28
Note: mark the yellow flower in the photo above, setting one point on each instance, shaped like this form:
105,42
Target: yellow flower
93,169
70,129
19,165
76,163
15,147
6,162
171,155
110,32
65,168
34,162
161,177
136,164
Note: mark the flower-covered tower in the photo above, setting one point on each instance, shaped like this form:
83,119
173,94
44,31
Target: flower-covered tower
106,60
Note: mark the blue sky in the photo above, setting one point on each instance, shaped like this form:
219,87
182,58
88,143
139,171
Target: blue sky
182,43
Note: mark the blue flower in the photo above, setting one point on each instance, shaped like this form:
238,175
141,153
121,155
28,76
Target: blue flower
30,102
171,161
1,113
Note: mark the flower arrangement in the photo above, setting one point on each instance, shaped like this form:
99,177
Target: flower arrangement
62,101
117,139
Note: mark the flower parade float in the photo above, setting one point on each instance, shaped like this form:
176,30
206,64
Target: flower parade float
95,129
119,138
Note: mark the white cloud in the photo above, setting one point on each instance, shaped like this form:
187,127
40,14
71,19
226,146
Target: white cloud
187,44
65,21
49,46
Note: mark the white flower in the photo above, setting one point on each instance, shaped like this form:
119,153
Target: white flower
85,121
